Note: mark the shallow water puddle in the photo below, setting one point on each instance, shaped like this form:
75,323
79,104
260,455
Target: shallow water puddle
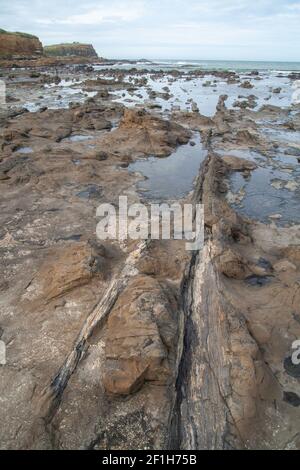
282,135
78,138
273,189
91,191
285,160
171,177
58,98
25,150
264,198
258,281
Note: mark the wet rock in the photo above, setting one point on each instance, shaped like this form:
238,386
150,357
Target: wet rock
232,265
291,398
221,103
11,99
247,85
292,369
57,80
9,164
102,124
62,133
292,185
241,104
154,106
265,264
10,135
294,151
91,191
194,107
34,75
239,164
258,281
101,156
247,136
73,238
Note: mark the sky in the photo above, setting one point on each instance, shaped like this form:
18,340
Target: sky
164,29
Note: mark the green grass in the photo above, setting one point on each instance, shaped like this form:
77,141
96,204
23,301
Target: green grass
18,33
70,44
65,49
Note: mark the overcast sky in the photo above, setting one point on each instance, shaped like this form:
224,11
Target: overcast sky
161,29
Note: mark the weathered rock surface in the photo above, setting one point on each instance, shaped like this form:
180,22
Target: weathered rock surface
239,164
68,269
233,381
141,133
141,338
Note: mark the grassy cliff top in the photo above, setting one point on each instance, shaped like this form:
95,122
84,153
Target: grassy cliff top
70,49
18,33
66,44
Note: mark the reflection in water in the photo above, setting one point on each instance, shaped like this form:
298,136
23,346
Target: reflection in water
171,177
25,150
78,138
269,190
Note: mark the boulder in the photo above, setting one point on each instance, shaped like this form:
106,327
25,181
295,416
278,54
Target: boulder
239,164
69,268
232,265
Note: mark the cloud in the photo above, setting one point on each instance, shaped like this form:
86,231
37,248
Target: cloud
220,7
215,29
114,13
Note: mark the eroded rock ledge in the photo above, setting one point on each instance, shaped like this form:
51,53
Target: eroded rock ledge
232,382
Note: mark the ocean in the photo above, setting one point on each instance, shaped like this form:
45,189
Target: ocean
226,65
234,65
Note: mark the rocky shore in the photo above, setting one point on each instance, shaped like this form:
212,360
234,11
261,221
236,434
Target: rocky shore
142,344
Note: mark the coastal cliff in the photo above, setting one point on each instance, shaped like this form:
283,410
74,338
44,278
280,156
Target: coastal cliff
74,49
19,45
28,51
